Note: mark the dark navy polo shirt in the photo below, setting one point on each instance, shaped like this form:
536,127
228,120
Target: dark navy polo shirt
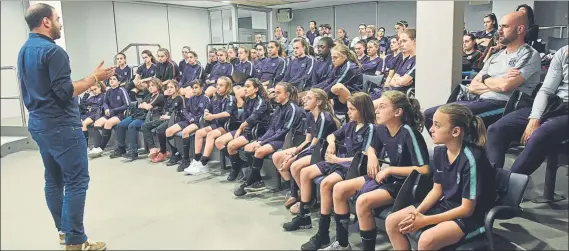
124,74
354,140
320,128
406,148
470,176
45,81
146,72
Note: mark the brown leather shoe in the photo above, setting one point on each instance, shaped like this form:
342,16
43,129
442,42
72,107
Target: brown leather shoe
291,201
88,245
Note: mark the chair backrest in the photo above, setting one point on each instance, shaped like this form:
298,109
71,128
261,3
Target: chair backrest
512,101
318,151
405,196
288,139
358,166
510,187
370,81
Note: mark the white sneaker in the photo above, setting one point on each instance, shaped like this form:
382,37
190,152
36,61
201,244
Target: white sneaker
191,168
95,152
336,246
199,168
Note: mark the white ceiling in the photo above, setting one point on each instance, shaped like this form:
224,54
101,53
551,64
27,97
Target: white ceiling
294,4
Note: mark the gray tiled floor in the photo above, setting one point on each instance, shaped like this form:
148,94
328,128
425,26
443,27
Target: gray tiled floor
150,206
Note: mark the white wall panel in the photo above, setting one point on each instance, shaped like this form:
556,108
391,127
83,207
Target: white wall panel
14,34
351,16
141,23
188,26
90,36
392,12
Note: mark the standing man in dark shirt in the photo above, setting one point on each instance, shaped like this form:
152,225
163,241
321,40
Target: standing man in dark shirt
55,125
312,33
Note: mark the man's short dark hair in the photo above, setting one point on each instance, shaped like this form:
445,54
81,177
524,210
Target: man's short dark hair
313,22
362,24
36,13
327,26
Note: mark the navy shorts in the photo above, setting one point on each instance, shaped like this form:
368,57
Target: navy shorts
306,152
328,168
245,133
277,145
391,185
120,116
470,226
85,116
185,123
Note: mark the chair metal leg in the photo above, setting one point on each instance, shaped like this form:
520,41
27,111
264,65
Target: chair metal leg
549,195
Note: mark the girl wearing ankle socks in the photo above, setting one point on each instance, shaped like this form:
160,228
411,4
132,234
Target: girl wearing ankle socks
397,137
463,190
287,116
222,107
356,135
255,112
92,105
320,122
115,104
192,114
173,104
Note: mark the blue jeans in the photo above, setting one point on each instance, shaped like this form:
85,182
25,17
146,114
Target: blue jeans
64,153
127,129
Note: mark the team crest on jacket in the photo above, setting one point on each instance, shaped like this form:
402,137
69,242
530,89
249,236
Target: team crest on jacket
303,65
512,62
399,148
359,138
274,64
118,97
457,178
469,57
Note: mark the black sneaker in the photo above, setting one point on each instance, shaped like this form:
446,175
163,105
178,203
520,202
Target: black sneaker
298,222
119,152
174,160
240,191
183,165
256,187
241,177
316,242
131,156
233,174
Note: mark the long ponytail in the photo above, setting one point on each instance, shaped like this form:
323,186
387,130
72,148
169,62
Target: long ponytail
292,91
261,90
412,114
326,104
474,130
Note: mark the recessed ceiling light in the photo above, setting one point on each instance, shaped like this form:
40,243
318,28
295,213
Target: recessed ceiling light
226,1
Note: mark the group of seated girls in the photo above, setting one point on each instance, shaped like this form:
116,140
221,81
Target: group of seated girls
391,139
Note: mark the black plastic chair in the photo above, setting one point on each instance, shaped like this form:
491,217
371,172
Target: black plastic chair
370,81
510,190
549,195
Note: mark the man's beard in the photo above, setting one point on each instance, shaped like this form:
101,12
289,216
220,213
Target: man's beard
506,40
55,33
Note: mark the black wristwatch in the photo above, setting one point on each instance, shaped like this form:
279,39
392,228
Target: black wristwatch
484,77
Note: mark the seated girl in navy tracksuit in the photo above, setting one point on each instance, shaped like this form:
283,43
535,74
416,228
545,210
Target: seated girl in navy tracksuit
173,104
374,63
463,190
299,69
127,129
190,122
272,69
360,50
392,59
346,76
397,137
287,117
404,77
320,122
261,57
222,108
123,71
192,71
145,71
92,106
356,135
255,113
115,104
221,69
245,66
